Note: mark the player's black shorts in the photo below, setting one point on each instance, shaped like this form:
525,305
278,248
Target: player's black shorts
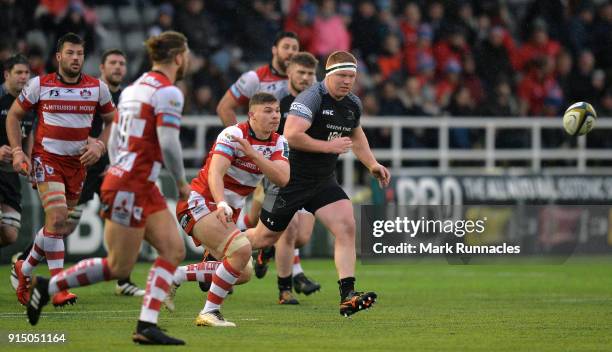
277,212
10,190
93,180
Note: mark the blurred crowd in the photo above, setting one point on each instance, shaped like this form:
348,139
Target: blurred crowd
417,58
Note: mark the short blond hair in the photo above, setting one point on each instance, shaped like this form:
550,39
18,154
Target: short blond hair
339,57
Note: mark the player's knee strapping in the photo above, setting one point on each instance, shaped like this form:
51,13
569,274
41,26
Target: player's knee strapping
11,218
232,243
53,196
74,214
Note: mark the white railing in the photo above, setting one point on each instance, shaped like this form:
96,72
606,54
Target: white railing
534,155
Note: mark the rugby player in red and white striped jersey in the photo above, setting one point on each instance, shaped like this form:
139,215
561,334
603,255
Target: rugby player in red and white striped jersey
144,136
65,102
242,155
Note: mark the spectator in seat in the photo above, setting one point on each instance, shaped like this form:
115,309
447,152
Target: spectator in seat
493,58
329,31
538,46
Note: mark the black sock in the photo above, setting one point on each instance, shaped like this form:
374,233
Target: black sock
143,325
123,281
346,285
26,251
284,283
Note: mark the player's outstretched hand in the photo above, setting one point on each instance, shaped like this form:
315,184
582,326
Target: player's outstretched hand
91,153
245,147
381,174
6,154
340,145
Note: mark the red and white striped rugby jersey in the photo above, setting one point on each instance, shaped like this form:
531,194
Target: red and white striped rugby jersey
151,101
243,175
264,79
65,112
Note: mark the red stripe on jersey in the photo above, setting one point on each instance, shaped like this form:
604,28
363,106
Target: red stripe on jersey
278,156
62,133
106,108
25,104
235,186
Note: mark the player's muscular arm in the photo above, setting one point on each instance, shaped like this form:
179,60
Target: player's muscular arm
362,150
276,170
108,121
226,109
29,144
295,132
218,168
21,162
170,145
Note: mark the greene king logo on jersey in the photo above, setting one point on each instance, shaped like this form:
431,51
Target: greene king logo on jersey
301,108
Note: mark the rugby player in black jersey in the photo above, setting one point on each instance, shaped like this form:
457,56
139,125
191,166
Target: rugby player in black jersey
16,75
323,122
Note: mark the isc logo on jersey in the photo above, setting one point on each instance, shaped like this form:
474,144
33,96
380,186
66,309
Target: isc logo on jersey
328,112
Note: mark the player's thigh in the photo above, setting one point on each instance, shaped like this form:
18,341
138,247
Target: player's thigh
291,232
161,232
338,217
213,233
258,199
123,244
305,227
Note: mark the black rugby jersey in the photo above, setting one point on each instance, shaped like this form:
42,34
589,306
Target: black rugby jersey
330,119
6,100
285,105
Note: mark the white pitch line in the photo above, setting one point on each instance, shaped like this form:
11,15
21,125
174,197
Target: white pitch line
93,312
78,312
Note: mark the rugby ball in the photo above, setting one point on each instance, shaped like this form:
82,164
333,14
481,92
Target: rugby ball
579,118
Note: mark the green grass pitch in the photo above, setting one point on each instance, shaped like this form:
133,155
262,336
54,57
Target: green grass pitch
422,307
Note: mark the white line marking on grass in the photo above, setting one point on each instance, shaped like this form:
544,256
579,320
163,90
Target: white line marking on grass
7,315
